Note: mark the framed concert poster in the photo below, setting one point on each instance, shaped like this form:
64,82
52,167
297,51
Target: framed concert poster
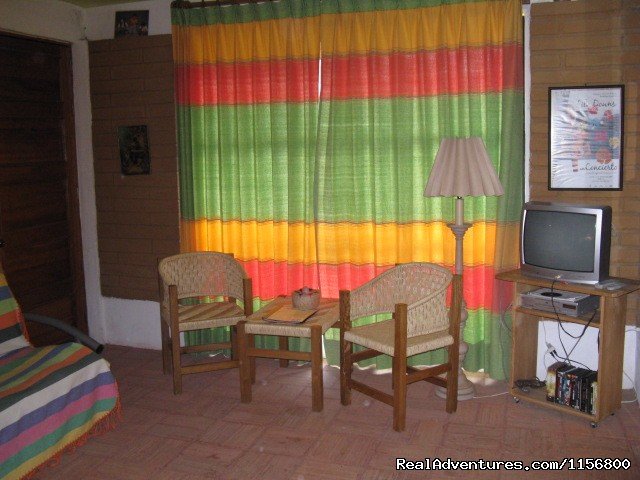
585,137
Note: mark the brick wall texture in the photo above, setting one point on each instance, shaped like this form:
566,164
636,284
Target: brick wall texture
132,84
591,42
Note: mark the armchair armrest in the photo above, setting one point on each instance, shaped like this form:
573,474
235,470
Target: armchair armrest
79,336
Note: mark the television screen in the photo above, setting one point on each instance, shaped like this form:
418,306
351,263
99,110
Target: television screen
565,241
560,240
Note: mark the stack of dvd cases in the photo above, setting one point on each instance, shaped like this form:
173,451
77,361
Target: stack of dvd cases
572,386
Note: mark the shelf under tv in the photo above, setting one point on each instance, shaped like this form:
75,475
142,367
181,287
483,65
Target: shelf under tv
539,397
582,320
610,320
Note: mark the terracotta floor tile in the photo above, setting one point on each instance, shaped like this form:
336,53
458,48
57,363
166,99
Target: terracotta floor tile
181,426
200,458
377,474
206,433
467,434
290,441
323,470
232,434
153,451
516,440
351,450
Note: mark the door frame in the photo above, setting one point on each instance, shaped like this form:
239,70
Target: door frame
71,163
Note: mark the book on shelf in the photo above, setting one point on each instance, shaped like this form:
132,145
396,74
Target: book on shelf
586,391
562,386
574,387
551,380
576,377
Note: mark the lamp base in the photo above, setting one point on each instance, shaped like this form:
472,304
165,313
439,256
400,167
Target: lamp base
466,389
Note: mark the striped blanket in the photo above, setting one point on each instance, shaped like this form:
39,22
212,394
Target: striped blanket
51,398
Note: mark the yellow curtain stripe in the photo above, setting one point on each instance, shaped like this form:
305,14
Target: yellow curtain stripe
396,30
446,26
235,42
355,243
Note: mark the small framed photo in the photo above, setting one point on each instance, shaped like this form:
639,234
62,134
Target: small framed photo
134,150
586,137
132,23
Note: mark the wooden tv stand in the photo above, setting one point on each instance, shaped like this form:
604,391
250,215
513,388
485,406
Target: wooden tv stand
610,319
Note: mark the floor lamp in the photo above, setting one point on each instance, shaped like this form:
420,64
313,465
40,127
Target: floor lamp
462,168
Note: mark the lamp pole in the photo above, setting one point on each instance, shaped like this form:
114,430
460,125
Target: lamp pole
462,168
466,389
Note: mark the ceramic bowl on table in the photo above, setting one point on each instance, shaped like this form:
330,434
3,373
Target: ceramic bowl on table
305,299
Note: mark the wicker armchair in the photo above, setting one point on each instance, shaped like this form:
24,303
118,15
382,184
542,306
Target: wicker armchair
194,276
415,293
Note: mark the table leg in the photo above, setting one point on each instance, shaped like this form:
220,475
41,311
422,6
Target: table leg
284,345
316,368
245,367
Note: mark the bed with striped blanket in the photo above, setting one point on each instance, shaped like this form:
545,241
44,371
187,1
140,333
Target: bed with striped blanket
51,398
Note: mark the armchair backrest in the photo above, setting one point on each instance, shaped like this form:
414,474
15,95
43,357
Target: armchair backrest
422,286
201,274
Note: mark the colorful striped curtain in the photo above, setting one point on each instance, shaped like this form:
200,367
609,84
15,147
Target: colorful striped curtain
327,191
397,77
247,103
247,109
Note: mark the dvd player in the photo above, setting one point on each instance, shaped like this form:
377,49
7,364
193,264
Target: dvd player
559,301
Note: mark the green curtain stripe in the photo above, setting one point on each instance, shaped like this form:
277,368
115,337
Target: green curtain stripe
256,12
244,13
489,344
389,146
267,151
340,6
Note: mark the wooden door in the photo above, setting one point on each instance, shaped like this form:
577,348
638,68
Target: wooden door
39,216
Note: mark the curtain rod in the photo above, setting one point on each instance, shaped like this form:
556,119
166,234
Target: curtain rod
213,3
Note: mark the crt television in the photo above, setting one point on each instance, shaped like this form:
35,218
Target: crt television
567,242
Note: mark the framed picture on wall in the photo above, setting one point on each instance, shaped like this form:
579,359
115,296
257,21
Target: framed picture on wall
134,150
585,137
132,23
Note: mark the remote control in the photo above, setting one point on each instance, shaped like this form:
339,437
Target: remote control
609,285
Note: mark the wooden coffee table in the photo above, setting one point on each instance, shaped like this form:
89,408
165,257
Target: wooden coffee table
314,327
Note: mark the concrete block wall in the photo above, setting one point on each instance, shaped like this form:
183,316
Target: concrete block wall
591,42
137,215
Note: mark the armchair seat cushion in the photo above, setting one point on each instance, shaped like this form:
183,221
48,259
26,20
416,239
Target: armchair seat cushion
380,337
208,315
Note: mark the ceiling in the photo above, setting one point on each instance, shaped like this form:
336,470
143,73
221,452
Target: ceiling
97,3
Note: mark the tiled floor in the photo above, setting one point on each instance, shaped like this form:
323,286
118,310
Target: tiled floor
206,433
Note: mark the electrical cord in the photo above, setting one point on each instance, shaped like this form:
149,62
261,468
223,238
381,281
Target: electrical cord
503,325
526,385
567,357
494,395
568,360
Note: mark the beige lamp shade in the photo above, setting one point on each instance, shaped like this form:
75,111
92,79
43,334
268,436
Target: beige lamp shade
463,168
